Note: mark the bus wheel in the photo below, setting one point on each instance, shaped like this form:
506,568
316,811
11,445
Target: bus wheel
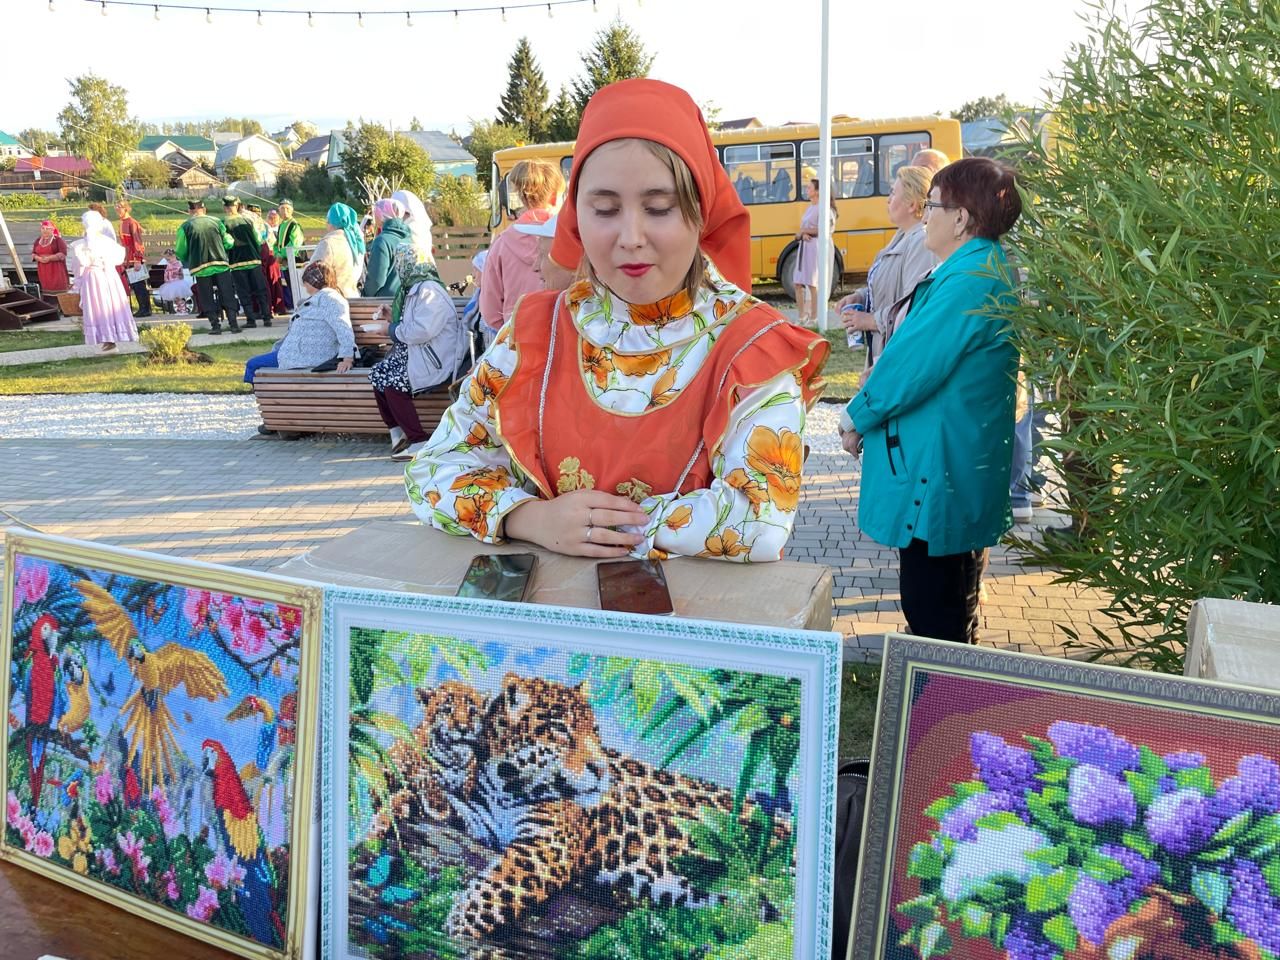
787,270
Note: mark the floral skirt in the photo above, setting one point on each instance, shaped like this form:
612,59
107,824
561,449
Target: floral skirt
392,371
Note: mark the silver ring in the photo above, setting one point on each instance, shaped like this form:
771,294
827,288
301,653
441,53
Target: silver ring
589,529
590,522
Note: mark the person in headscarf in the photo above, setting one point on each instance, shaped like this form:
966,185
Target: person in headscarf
289,236
512,266
380,277
419,221
108,317
343,249
270,265
50,253
655,407
429,343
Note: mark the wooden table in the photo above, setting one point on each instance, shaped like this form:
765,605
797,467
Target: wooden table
38,916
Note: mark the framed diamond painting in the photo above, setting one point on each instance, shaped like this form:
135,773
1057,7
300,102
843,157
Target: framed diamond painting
159,737
507,780
1042,809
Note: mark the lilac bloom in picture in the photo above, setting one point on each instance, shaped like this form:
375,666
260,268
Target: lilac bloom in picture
1184,760
1095,905
1096,797
1001,766
959,823
1024,941
1253,908
1094,745
1256,787
1181,822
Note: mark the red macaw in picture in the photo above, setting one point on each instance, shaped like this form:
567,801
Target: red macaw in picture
44,706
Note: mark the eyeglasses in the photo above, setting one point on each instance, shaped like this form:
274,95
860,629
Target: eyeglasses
936,205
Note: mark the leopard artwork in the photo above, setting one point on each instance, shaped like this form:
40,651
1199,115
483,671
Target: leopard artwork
433,775
567,810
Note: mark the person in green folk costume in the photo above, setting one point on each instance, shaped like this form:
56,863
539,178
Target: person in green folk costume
202,247
246,263
288,234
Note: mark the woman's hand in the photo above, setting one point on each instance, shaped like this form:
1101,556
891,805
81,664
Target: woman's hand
856,299
383,314
578,524
345,364
859,320
851,440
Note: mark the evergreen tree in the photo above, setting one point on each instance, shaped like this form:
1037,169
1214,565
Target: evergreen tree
562,122
996,106
524,104
618,53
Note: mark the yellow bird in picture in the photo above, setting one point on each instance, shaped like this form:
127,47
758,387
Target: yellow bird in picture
77,680
148,723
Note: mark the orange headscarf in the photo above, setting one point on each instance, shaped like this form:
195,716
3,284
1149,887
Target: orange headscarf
652,110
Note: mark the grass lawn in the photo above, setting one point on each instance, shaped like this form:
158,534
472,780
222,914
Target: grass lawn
132,374
844,367
29,339
859,696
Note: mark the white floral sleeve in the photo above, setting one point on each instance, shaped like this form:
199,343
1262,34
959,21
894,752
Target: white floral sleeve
747,512
464,481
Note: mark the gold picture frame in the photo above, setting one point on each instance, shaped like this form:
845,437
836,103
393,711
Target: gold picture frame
116,663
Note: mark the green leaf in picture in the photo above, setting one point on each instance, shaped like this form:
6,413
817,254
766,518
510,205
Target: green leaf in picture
1224,933
1233,827
1216,855
1055,795
1268,828
974,920
924,862
934,941
750,719
1152,763
1054,856
1061,932
1211,889
1198,778
941,807
969,788
921,909
998,821
1271,871
1144,787
999,927
1052,776
1041,749
1137,841
646,685
1049,893
1043,811
1103,868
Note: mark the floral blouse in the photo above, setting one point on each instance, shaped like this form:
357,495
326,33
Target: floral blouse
633,358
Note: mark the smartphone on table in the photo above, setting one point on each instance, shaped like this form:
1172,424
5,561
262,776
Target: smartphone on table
498,576
633,586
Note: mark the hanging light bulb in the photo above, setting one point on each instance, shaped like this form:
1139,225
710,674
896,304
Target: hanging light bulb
208,15
359,19
157,14
550,15
595,7
51,6
456,19
104,7
311,22
504,14
259,18
408,19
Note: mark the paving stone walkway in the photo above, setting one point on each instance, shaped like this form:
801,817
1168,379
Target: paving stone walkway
256,503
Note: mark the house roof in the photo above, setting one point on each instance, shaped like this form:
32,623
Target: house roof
197,175
746,123
57,165
313,147
253,147
440,145
8,141
182,142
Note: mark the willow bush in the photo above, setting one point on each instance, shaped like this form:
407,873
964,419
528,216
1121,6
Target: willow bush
1151,242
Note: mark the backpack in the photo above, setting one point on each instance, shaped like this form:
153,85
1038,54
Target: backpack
851,802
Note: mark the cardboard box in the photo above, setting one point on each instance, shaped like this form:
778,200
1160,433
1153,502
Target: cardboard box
1235,641
411,558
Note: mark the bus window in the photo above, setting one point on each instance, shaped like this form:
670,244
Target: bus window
762,172
896,150
852,166
566,167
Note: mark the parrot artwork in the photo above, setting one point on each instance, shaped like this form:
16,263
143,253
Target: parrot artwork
77,686
236,824
148,721
251,706
44,703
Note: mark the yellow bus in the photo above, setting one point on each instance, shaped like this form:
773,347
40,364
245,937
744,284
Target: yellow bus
767,166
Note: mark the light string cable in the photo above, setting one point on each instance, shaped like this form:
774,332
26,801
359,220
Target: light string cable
360,15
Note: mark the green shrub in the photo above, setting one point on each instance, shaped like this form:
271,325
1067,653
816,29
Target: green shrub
166,343
459,202
1153,296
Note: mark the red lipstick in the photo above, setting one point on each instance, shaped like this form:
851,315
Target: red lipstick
635,269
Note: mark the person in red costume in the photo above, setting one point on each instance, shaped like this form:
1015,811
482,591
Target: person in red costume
654,407
135,255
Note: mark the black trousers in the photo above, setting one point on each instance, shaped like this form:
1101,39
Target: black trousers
940,594
225,304
397,410
251,289
143,293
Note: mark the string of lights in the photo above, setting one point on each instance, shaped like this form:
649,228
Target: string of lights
312,16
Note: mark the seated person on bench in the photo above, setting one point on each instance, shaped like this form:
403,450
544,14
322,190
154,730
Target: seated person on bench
319,332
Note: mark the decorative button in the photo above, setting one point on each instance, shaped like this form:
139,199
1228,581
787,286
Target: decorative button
917,503
908,526
924,480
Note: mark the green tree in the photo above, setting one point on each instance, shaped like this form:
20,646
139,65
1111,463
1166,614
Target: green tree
459,202
524,104
305,129
39,142
562,123
245,126
96,126
486,138
238,168
372,151
617,53
415,126
1152,278
996,106
153,174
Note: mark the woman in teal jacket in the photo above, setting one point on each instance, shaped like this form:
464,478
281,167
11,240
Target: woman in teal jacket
380,277
934,419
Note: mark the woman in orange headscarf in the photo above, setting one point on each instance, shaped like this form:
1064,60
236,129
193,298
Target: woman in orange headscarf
655,407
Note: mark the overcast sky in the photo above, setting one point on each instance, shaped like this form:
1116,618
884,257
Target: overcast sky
749,57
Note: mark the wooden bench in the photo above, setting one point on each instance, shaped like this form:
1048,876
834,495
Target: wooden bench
299,401
18,308
362,311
